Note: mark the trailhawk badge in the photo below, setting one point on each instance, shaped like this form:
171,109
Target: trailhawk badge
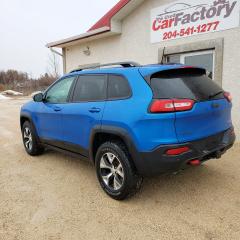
182,19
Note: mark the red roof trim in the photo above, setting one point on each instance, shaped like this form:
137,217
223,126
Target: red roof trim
105,21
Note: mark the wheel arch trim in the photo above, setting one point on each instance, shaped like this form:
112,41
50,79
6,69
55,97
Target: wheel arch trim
29,118
25,116
118,132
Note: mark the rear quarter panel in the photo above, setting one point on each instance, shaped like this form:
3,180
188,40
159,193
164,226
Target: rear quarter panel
146,130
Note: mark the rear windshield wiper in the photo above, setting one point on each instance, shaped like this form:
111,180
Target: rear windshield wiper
215,94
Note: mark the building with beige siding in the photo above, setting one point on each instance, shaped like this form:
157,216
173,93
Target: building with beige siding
202,33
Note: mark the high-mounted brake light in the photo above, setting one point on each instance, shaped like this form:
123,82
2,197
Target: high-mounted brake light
228,96
171,105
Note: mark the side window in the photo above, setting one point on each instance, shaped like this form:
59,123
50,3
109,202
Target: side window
58,93
118,87
90,88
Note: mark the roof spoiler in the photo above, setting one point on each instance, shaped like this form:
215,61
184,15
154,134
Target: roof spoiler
182,70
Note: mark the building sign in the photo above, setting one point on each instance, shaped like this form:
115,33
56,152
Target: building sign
189,18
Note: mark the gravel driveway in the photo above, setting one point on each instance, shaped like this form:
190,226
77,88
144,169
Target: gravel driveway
55,196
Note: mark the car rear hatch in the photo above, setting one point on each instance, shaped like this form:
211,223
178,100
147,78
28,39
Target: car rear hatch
201,107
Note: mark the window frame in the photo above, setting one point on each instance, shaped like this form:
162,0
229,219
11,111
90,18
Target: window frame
118,98
86,101
56,82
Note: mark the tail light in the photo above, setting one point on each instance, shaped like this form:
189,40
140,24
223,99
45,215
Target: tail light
177,151
228,96
171,105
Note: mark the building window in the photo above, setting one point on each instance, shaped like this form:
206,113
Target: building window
207,54
204,59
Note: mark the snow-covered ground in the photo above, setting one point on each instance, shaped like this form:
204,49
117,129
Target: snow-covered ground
3,97
11,93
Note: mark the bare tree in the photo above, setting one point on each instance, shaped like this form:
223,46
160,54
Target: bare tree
54,65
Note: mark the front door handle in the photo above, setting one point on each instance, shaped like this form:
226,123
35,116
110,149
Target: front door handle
94,110
57,109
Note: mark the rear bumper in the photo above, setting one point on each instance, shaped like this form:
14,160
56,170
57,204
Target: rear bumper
157,162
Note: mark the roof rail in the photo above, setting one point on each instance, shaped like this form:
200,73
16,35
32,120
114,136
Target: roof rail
168,63
122,64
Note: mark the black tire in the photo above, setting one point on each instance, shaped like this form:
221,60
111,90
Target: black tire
131,182
35,147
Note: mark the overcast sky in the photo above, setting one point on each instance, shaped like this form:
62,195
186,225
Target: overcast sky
27,25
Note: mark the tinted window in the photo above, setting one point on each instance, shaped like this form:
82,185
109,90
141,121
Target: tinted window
194,86
90,88
118,87
58,93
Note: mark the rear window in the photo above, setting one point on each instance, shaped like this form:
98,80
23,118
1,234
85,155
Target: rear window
179,84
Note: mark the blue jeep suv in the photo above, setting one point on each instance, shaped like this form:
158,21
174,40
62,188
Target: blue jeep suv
131,121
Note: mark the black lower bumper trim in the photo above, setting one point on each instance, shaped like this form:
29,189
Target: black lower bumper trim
157,162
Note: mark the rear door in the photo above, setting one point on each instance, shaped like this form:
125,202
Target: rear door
84,112
211,112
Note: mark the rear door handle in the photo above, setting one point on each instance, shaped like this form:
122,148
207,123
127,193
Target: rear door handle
94,110
57,109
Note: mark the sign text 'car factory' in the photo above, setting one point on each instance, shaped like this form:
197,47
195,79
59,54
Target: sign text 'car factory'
188,18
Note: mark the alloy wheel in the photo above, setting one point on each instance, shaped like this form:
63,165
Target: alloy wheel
27,137
111,171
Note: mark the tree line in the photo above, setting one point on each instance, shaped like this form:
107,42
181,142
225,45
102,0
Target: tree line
23,82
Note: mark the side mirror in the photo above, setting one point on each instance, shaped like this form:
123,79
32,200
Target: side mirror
38,97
